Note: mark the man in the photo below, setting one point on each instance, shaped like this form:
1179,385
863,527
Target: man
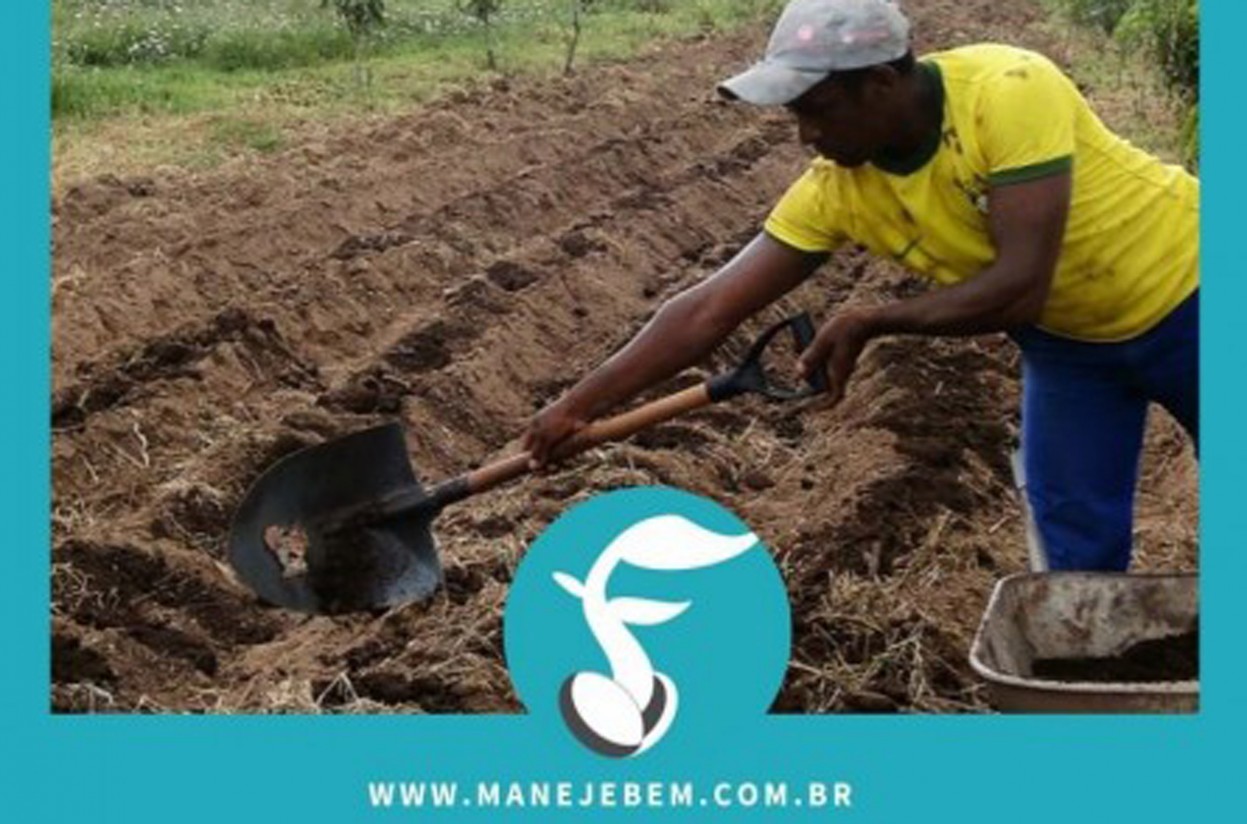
983,169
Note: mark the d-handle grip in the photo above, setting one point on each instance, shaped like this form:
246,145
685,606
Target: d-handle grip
751,375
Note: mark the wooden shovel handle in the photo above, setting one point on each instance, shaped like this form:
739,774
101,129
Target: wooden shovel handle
610,429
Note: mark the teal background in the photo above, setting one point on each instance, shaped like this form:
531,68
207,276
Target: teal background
726,653
1017,769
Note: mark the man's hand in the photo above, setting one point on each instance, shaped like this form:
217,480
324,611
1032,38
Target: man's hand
549,428
836,348
1027,223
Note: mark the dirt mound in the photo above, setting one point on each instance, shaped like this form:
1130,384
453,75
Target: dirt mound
457,268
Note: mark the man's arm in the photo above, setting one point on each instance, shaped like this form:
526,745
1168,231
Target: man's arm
683,331
1027,225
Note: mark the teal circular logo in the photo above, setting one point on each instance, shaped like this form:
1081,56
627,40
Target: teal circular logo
647,618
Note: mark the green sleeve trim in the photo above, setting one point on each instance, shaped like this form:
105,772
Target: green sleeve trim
1023,174
813,252
791,239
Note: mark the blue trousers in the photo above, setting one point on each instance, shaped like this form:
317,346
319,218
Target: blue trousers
1084,408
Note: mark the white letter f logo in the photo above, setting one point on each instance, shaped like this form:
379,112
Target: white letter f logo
628,712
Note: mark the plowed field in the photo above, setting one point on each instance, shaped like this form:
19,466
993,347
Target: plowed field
457,268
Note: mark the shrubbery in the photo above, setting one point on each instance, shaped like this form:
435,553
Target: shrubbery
1166,31
1169,31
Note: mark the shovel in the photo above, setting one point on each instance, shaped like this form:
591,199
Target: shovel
345,526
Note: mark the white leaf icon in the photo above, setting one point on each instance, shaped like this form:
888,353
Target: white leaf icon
672,543
567,582
646,612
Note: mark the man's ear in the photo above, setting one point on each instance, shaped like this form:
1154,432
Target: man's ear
880,81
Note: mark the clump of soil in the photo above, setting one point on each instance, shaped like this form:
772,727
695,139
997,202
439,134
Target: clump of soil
289,544
1173,658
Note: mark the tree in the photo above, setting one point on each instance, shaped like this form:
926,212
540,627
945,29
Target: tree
362,19
484,11
578,8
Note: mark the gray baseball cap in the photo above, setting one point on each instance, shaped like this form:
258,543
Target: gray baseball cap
816,37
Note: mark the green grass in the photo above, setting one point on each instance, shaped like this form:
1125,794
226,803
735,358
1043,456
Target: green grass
233,132
271,70
138,83
127,57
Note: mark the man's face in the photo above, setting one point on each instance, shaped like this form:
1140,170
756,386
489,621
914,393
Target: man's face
841,124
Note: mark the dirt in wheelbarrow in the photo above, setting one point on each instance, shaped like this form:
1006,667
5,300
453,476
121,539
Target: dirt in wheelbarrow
456,268
1173,658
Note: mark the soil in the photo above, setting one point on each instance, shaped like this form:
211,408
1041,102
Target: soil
457,268
1174,658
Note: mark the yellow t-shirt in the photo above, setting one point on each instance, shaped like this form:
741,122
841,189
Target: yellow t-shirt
1131,248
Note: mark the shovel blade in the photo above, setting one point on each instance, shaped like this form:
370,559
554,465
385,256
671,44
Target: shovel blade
280,547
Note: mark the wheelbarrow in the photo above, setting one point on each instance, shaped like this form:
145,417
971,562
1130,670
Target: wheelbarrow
1091,642
345,526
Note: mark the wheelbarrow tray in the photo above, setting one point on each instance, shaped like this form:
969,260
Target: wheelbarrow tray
1050,615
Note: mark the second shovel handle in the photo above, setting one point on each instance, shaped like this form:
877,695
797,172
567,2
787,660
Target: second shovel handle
598,432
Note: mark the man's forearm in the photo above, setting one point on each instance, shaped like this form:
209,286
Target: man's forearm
988,303
1027,224
691,324
680,334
